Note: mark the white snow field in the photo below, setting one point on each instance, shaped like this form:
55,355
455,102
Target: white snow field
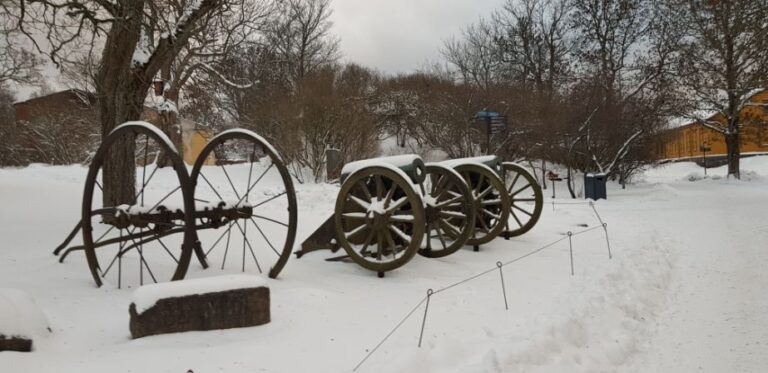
684,292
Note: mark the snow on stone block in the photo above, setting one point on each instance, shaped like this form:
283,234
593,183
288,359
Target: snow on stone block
201,304
21,321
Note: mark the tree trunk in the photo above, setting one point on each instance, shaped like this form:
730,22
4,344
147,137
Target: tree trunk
121,93
119,172
733,148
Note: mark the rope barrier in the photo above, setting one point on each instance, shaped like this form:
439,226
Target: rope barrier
569,235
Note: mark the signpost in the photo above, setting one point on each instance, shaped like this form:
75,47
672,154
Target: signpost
704,149
551,176
494,123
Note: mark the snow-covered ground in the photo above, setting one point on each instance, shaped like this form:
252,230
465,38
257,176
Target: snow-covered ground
684,292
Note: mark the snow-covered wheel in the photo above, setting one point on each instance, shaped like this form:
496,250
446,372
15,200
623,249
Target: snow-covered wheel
449,211
525,196
137,242
379,218
242,186
490,201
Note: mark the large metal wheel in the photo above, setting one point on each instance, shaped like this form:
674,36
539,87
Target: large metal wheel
138,241
241,172
526,199
449,211
491,202
379,218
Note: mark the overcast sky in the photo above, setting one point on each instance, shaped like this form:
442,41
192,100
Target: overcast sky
402,35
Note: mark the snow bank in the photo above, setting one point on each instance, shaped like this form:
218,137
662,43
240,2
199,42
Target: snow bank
146,296
20,316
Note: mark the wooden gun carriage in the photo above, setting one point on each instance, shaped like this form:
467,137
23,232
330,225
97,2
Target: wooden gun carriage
388,209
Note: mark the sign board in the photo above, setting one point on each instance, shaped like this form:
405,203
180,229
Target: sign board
493,122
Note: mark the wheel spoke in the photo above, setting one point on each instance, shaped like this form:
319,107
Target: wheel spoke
250,172
166,250
441,238
252,185
398,204
231,183
364,188
219,239
523,211
452,214
211,185
269,200
524,200
164,198
360,202
270,219
391,242
491,202
495,216
446,203
402,218
379,188
514,181
355,231
400,233
380,245
226,248
363,250
514,216
449,228
265,237
485,192
247,242
390,193
520,190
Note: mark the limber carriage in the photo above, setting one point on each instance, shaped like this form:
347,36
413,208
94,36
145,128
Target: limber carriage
175,212
391,208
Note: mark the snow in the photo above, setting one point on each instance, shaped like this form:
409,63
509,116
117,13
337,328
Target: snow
20,316
160,134
253,135
399,161
147,296
684,292
475,160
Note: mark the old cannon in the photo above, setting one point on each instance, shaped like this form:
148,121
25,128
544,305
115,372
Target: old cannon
238,184
388,209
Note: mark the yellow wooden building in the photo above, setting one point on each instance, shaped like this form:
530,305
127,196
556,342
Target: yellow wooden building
686,141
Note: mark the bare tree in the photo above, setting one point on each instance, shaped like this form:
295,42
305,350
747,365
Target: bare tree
723,61
140,37
17,64
476,55
302,36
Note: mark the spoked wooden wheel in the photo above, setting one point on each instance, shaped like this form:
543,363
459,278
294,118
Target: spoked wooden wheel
379,218
240,175
526,199
151,237
448,210
491,202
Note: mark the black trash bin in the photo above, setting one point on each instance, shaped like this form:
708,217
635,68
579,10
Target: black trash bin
594,186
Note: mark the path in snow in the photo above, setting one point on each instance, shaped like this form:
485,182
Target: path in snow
717,319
